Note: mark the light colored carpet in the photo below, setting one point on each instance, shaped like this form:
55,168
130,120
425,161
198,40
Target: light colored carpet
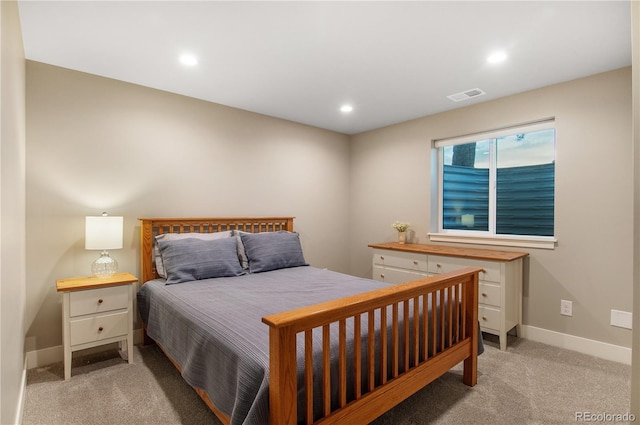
530,383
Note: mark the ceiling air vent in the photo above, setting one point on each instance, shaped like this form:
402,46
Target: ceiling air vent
467,94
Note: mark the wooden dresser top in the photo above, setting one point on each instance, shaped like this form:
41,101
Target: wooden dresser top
480,254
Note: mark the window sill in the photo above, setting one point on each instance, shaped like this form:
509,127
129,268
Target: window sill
541,242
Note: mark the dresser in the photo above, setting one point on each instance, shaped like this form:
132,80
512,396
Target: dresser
500,285
96,311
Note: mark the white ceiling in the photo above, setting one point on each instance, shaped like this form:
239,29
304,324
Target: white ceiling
393,61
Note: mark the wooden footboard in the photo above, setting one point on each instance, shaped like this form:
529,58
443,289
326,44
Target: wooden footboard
426,346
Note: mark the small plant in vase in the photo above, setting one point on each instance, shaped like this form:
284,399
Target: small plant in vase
402,228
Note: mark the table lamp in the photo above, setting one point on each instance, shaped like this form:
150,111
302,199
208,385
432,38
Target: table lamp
103,233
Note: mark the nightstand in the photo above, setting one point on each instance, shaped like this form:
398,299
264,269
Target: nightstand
96,311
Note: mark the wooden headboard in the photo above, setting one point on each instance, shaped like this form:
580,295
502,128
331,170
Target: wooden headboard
156,226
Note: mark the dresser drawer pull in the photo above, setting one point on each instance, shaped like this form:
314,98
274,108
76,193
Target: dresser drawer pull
415,262
438,265
382,257
382,275
100,329
100,301
484,294
484,318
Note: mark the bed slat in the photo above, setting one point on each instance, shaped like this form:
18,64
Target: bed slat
357,355
416,331
384,357
394,341
308,367
342,362
326,369
371,350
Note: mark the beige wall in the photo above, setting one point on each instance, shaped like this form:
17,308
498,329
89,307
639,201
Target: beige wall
592,264
98,144
12,215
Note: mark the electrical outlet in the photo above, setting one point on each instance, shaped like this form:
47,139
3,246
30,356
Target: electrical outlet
566,308
621,319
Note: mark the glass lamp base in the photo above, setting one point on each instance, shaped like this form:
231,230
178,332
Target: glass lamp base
104,266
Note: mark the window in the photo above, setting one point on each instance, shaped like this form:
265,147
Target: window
499,184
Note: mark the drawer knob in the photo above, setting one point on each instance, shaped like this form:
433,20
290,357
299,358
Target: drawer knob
100,301
484,318
382,276
438,265
484,294
382,257
100,329
415,262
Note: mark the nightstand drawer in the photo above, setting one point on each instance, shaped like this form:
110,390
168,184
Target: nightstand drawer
489,318
489,294
441,264
96,328
99,300
405,260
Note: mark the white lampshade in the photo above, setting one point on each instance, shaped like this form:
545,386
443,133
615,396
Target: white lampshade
103,232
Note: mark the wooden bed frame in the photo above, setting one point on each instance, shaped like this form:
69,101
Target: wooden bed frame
439,342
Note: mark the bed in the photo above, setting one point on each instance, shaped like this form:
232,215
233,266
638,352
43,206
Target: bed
278,341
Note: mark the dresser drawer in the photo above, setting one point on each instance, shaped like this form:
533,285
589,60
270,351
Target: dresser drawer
383,274
489,294
99,327
99,300
441,264
405,260
489,318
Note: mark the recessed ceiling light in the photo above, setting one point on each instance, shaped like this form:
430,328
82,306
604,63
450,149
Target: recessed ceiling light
188,60
497,57
346,108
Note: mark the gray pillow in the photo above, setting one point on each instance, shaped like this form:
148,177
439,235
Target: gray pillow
194,259
272,250
242,253
174,236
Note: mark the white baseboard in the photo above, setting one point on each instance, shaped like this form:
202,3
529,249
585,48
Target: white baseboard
23,394
44,357
592,347
47,356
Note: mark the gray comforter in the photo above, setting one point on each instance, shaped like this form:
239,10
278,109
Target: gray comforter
212,328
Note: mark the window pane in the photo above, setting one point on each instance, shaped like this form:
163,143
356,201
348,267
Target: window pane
525,183
466,186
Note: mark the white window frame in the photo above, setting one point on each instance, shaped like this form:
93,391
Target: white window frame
485,237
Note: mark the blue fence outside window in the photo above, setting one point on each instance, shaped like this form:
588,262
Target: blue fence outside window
524,199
